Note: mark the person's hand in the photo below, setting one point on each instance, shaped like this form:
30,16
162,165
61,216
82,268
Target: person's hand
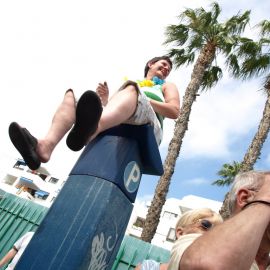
103,93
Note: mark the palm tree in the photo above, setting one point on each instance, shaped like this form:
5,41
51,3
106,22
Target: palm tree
199,33
254,61
227,173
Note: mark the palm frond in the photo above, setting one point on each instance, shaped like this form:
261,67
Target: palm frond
255,66
180,57
213,31
237,24
216,10
233,65
226,42
244,39
211,77
202,22
195,42
227,173
249,49
206,19
177,34
265,27
199,27
264,42
189,15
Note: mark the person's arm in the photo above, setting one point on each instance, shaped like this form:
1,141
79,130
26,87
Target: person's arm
163,266
10,255
171,107
234,243
138,267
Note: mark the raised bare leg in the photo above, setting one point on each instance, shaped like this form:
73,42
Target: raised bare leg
62,121
36,151
120,108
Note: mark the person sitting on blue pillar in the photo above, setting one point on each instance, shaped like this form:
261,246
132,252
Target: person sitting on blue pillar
136,103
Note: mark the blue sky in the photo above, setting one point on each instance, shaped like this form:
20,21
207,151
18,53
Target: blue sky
48,47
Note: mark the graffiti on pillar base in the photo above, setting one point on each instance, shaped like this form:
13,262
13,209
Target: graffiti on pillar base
100,249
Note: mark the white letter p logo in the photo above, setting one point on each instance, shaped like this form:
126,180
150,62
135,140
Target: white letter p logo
132,176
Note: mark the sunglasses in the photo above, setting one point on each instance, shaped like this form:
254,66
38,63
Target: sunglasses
206,224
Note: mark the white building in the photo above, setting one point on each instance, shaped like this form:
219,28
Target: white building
38,186
171,211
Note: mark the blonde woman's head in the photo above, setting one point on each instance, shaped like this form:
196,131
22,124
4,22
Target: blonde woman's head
197,221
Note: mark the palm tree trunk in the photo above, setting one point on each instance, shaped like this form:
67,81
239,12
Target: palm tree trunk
254,150
205,58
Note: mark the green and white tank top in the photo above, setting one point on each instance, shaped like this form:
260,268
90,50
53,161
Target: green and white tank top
154,92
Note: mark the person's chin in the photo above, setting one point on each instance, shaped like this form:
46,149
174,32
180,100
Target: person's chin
164,76
161,76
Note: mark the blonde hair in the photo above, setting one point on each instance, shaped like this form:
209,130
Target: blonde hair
190,217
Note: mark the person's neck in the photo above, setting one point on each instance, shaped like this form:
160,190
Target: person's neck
149,77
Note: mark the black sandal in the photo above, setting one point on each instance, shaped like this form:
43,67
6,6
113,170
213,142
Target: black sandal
88,113
26,144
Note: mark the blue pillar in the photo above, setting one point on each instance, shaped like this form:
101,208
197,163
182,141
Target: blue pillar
84,227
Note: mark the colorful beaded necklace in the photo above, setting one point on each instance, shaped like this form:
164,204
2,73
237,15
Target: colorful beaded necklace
149,83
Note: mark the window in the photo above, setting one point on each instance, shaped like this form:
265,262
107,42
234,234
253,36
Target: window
171,235
9,179
184,209
20,164
23,188
139,222
53,180
42,194
42,176
169,215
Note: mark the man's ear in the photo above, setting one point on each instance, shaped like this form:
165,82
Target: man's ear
179,232
244,196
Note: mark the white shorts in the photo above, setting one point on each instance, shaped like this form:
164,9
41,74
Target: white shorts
145,114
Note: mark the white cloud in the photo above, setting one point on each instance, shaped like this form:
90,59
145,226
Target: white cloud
196,182
144,200
220,117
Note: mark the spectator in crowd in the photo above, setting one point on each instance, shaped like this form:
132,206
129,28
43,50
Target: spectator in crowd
192,223
16,252
243,241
